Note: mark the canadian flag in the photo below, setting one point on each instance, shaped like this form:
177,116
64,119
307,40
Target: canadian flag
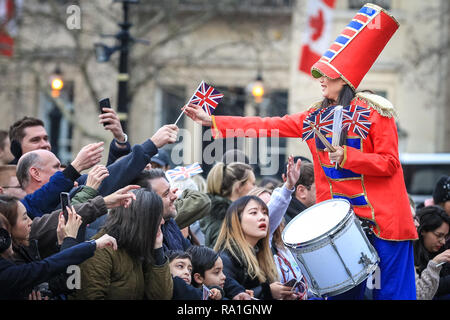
8,28
316,37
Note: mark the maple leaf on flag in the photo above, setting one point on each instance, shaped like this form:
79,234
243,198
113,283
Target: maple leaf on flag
206,97
317,24
356,120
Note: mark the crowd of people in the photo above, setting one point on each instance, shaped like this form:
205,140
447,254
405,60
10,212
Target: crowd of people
135,234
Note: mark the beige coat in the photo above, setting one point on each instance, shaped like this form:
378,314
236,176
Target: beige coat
428,282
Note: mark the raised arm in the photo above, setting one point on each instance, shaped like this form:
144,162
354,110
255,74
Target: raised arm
253,127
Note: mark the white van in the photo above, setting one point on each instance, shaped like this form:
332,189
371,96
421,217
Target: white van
422,171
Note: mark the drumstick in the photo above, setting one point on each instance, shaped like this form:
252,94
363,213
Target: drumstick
440,264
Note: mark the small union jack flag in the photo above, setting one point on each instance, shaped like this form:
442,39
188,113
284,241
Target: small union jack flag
206,97
321,119
181,173
356,120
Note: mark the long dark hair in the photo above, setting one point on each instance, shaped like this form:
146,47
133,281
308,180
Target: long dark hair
345,97
430,218
135,227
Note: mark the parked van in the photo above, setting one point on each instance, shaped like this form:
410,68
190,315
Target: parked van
422,171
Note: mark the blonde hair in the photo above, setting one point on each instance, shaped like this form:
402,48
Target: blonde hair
200,182
259,264
257,191
221,178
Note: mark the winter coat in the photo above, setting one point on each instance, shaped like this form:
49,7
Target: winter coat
212,222
44,228
17,281
191,206
115,275
233,268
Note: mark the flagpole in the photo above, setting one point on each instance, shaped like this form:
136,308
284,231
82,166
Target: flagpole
179,117
182,112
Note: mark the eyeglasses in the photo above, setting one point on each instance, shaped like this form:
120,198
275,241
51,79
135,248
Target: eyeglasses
441,236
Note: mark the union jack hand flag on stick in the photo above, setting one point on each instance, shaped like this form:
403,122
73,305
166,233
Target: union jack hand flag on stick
321,120
206,97
356,120
181,173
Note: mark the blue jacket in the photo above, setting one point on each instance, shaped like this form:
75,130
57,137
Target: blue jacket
121,173
46,198
17,281
173,238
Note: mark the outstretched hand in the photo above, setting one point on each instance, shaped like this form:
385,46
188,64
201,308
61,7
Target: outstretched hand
121,198
106,241
197,114
96,176
112,123
69,228
292,172
88,156
166,134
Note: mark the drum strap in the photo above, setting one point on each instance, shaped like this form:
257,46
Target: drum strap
282,259
302,286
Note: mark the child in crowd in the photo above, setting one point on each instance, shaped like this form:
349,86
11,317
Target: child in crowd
207,270
180,264
181,267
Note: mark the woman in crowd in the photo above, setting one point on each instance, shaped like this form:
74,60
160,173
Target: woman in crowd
431,258
139,269
225,183
18,281
243,244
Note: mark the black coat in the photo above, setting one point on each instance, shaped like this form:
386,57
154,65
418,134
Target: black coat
17,281
237,271
295,207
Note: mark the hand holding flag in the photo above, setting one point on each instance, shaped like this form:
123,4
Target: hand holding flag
206,97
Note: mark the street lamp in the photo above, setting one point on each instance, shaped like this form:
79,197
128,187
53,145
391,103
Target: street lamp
103,54
56,82
256,89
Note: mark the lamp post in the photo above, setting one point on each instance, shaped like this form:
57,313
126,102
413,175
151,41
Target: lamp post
103,53
256,92
56,82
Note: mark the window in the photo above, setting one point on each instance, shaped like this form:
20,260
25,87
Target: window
58,128
232,104
275,106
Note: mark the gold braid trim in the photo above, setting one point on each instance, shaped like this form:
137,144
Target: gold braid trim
380,104
315,106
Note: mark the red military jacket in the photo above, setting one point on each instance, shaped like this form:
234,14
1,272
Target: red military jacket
370,176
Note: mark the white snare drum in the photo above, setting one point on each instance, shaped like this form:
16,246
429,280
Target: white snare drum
332,249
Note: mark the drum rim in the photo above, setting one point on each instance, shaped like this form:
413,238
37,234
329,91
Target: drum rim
324,236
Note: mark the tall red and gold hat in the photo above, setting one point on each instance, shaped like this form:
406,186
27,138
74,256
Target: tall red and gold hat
355,50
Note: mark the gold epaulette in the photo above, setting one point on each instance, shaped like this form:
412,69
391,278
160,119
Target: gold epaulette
383,106
315,106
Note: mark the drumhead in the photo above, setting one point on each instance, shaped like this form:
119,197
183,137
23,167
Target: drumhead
316,221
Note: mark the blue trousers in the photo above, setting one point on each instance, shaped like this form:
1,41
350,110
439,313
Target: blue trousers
397,278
